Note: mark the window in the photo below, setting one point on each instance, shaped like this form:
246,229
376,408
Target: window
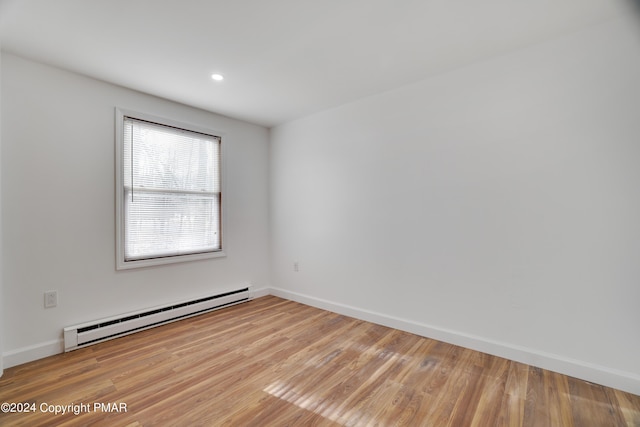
169,198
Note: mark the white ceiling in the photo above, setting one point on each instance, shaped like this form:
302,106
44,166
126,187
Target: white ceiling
282,59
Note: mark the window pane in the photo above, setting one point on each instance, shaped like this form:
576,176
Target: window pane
165,224
171,191
157,156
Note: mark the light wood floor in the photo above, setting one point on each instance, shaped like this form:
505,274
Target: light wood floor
272,362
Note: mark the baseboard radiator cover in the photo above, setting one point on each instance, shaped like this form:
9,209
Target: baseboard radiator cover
89,333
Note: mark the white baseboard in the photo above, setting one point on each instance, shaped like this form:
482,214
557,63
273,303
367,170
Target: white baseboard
602,375
32,352
262,292
50,348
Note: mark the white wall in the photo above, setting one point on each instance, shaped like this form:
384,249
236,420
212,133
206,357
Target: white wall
58,207
496,206
1,291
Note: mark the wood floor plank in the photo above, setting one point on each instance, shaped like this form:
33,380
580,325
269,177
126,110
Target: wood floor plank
513,402
272,362
629,405
590,404
495,382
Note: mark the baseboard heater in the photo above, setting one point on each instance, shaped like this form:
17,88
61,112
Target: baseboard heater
85,334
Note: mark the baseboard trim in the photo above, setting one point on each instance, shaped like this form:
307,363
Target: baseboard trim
51,348
262,292
598,374
590,372
33,352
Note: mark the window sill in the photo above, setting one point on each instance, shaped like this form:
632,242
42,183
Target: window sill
127,265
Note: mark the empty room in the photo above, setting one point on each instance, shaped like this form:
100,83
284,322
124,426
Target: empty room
336,213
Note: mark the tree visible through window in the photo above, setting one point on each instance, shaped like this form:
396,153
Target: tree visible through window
171,195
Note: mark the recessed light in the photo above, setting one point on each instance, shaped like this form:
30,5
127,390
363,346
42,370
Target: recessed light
217,77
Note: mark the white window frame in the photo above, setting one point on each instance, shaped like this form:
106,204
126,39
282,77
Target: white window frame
121,264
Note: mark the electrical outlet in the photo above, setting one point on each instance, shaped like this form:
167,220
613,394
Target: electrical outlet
50,299
296,267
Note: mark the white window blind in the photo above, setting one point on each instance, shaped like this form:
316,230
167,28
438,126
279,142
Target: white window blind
172,195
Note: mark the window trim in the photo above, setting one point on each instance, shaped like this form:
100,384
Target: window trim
121,264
